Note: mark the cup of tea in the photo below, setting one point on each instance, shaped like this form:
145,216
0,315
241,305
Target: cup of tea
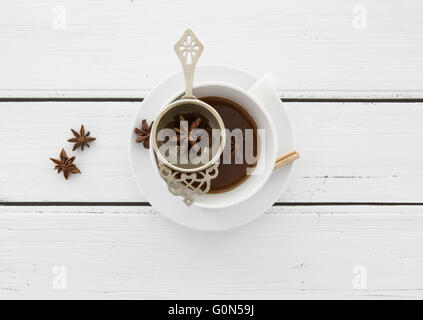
251,145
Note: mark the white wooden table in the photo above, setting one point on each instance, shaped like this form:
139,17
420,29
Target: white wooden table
350,223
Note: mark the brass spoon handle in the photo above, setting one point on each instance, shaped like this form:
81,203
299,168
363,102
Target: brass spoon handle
286,158
188,49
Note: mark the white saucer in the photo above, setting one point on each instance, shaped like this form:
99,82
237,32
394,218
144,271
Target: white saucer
154,188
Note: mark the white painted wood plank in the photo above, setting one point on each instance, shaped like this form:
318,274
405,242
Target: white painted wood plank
350,152
292,252
96,48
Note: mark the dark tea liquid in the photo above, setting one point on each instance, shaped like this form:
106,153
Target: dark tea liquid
234,116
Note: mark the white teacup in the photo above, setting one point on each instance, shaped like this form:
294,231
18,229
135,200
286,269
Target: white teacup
253,101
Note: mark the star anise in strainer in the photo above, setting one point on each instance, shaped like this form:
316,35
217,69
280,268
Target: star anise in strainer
65,164
81,139
144,133
185,134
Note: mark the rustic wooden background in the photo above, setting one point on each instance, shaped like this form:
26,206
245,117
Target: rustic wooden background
352,81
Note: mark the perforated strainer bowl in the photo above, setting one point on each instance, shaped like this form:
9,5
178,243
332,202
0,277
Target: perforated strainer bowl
188,106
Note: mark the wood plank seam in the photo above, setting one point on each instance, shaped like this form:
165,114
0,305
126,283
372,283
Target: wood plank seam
147,204
285,100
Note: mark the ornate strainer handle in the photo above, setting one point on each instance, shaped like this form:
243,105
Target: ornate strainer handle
188,184
188,49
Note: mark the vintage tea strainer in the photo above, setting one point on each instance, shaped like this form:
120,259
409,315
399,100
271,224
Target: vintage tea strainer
187,179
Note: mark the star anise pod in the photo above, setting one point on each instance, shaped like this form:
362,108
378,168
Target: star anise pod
81,139
65,164
144,133
186,133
